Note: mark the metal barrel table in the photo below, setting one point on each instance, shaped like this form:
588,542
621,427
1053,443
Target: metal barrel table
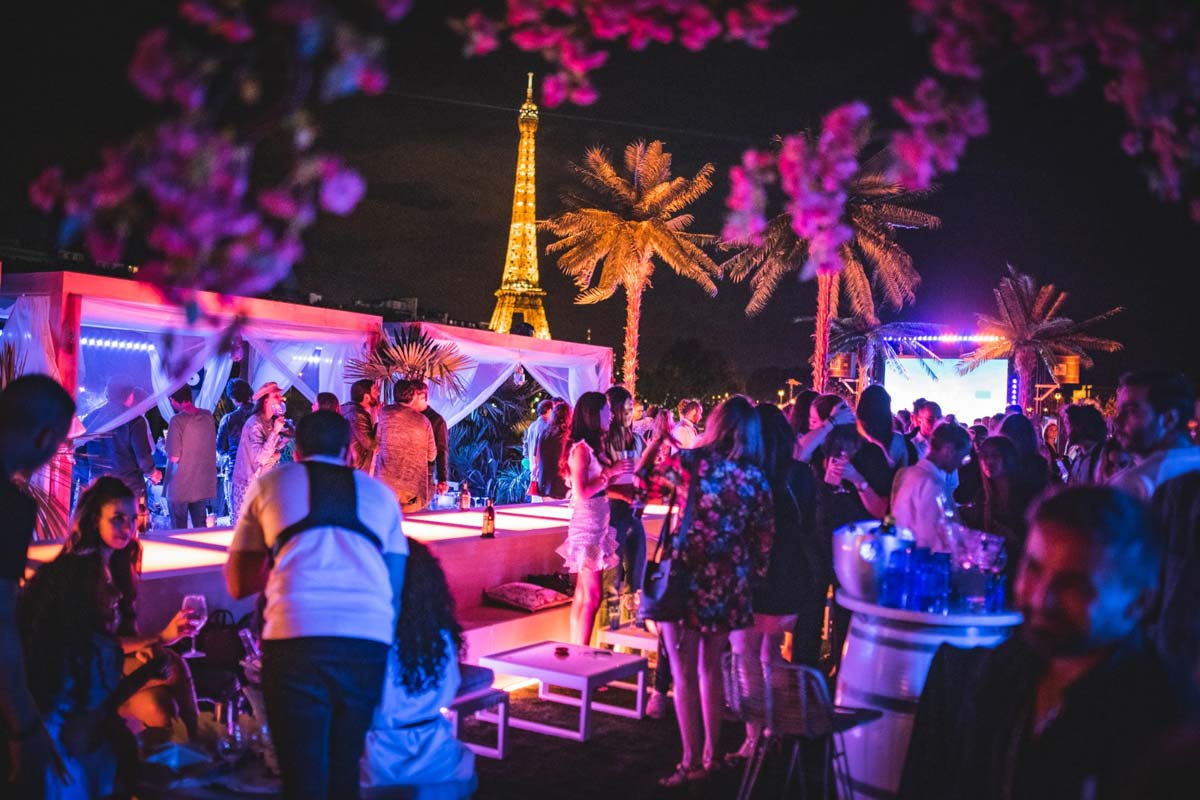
884,663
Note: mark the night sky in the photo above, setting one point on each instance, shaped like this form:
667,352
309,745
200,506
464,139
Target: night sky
1049,190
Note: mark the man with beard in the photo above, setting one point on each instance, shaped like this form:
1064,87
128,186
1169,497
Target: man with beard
1067,708
1153,410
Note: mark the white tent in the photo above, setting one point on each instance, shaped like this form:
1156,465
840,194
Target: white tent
564,369
82,329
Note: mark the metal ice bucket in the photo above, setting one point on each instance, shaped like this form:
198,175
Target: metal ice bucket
860,555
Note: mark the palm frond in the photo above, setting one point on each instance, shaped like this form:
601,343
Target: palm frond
410,353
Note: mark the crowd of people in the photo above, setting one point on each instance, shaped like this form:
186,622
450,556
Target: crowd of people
359,637
760,496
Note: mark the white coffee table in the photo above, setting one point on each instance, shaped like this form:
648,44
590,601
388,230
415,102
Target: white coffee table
583,669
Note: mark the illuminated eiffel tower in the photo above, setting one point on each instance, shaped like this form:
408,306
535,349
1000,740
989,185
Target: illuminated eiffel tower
519,290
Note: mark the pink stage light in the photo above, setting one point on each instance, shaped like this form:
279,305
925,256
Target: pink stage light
156,556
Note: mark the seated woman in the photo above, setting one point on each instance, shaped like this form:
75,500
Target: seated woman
104,528
68,617
411,751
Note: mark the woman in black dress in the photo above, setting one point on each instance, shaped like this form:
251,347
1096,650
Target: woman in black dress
795,582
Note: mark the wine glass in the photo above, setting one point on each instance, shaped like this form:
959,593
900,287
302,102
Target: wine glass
197,609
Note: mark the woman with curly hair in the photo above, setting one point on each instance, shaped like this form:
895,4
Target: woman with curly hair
104,527
68,617
411,750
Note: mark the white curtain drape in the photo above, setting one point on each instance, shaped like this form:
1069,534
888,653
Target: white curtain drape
283,362
28,332
564,369
163,389
216,375
482,381
333,367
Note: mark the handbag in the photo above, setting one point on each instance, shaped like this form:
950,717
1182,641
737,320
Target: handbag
664,590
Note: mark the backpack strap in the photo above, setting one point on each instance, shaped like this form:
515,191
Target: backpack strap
332,503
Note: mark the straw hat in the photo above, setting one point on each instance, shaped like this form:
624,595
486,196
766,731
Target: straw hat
270,387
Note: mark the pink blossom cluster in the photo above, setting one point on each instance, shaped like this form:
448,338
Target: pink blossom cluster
182,190
569,33
747,200
937,133
815,177
1147,54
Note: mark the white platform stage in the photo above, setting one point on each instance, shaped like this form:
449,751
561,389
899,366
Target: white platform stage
176,563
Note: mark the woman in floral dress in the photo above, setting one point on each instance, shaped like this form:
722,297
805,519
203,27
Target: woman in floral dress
722,545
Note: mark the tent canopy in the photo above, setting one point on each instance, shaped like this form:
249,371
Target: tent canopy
564,369
82,329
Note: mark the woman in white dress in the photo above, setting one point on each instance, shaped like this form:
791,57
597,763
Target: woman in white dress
591,545
411,751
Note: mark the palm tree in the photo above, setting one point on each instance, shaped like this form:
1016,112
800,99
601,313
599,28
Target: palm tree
1031,332
867,338
626,221
875,210
410,353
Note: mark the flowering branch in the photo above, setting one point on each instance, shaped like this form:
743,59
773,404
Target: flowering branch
573,35
179,196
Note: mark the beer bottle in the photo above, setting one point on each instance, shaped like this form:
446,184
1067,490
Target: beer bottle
464,496
488,528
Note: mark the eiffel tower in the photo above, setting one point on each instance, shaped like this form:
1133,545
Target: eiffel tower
519,290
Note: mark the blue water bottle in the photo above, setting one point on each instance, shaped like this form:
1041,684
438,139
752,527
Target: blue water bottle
939,601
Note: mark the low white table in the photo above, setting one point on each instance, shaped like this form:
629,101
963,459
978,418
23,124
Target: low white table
583,669
630,637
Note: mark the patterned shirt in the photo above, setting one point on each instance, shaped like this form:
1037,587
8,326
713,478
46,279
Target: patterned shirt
724,540
406,450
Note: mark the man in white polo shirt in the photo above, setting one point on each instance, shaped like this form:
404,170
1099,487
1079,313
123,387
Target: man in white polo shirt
324,542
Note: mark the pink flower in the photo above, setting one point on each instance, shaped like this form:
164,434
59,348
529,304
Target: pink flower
697,28
189,94
939,130
554,89
536,37
583,94
46,189
103,245
171,242
372,80
235,30
152,68
1131,143
341,192
747,200
394,10
575,58
279,203
482,34
113,184
523,12
198,13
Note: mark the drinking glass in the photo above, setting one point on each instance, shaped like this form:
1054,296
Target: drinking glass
197,609
842,458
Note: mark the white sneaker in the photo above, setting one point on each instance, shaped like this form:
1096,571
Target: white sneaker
656,706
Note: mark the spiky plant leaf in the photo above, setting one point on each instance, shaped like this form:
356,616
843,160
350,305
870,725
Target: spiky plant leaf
410,353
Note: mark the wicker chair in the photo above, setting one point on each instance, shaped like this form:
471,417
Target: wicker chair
792,702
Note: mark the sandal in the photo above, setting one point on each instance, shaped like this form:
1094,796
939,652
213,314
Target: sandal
681,776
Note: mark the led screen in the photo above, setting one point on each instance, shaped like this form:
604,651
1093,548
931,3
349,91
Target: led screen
979,393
